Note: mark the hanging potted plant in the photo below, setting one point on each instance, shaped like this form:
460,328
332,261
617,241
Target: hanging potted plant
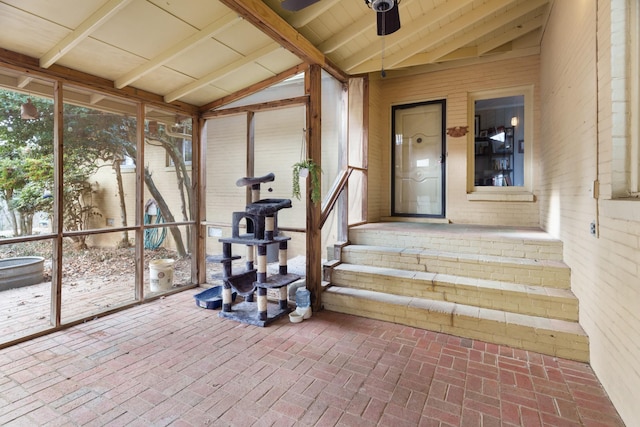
302,169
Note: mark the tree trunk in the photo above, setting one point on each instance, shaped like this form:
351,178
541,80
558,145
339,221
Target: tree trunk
14,222
8,195
183,181
124,243
26,224
166,213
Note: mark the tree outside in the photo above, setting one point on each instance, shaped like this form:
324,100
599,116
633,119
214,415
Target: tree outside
93,139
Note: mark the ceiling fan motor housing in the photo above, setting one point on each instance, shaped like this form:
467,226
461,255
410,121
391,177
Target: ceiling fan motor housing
381,5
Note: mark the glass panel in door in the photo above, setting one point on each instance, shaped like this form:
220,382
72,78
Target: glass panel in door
418,158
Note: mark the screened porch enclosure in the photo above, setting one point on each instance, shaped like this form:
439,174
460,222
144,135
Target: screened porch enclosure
72,194
109,187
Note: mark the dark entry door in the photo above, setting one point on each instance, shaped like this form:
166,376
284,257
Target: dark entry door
418,182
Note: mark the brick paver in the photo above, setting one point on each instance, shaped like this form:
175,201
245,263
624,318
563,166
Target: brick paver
169,362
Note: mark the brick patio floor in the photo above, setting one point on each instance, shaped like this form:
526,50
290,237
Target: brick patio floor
169,362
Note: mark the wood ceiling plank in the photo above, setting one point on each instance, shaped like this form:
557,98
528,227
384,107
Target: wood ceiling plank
279,61
365,23
347,34
210,30
254,88
483,12
100,59
21,63
214,54
308,14
510,35
408,30
264,18
447,31
23,81
271,24
197,13
462,57
219,73
87,27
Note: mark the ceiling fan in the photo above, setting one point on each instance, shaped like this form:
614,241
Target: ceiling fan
387,13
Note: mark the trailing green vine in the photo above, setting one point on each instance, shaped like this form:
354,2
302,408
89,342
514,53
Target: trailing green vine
314,172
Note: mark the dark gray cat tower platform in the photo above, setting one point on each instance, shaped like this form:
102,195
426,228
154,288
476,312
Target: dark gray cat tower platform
261,217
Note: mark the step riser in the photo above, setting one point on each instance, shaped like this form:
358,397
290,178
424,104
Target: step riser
529,249
504,286
549,274
440,318
430,286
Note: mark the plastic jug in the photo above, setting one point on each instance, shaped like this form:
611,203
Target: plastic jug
303,302
303,298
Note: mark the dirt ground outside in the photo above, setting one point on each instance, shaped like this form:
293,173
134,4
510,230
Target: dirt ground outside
95,280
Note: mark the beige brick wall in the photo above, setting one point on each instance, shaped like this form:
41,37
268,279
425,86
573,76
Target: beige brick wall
377,186
578,130
106,199
278,145
453,85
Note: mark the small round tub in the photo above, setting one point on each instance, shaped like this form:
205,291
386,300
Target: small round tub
21,271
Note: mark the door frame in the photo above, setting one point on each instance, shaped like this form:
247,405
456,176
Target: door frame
394,108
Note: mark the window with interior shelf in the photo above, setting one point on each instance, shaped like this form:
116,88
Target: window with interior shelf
498,155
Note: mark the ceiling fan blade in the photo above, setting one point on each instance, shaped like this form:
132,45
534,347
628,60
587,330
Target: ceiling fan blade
389,21
295,5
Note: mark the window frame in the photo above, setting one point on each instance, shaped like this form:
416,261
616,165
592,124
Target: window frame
184,153
633,54
624,174
508,193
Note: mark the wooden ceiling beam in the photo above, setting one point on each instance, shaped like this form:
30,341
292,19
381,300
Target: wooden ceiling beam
254,108
23,81
271,24
481,31
418,64
408,31
510,35
27,64
98,18
254,88
347,34
210,30
486,10
350,32
94,98
457,43
308,14
221,72
443,33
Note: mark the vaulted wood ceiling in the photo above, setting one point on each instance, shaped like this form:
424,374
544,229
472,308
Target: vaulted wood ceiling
202,51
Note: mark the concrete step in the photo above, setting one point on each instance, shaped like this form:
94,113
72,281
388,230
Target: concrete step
510,242
506,296
553,337
526,271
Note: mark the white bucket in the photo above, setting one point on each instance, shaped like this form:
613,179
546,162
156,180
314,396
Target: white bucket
161,274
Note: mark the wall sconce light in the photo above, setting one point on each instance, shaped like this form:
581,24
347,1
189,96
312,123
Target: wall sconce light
28,111
514,121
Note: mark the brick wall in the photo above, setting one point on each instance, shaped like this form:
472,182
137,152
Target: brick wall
453,85
377,184
578,130
105,195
